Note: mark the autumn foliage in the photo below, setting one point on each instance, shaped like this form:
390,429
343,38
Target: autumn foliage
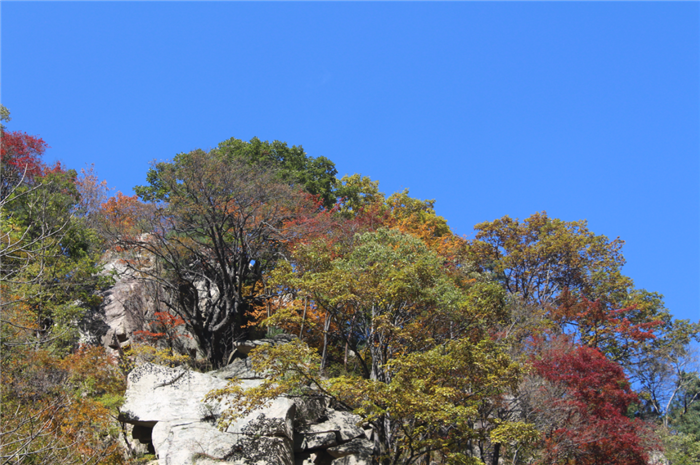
20,155
165,326
523,345
595,402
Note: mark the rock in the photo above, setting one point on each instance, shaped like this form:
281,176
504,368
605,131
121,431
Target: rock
243,348
156,393
128,306
125,306
166,407
353,460
310,409
359,446
137,444
657,458
318,457
170,401
277,419
344,423
202,443
240,368
319,441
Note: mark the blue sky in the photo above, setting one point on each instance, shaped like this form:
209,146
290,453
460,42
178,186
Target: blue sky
586,110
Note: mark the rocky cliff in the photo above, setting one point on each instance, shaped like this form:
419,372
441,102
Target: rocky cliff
169,418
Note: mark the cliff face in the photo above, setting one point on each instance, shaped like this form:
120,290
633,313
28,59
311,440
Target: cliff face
168,417
128,306
166,407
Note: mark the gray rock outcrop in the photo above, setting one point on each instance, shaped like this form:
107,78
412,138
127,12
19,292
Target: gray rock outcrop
125,308
166,407
128,306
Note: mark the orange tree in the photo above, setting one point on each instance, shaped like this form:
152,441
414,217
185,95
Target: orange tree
539,257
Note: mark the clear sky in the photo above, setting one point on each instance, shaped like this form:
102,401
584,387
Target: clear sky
586,110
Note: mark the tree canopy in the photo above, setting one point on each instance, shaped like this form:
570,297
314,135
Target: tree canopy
526,344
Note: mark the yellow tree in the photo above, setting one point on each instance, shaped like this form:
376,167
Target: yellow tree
426,364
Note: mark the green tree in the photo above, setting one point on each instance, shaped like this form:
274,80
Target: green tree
50,257
357,193
291,165
684,411
53,404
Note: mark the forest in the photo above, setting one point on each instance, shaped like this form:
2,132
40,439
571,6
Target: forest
525,344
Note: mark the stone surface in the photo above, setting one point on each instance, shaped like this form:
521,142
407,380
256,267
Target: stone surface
353,460
240,368
155,393
277,419
128,306
170,401
166,406
202,443
319,440
243,348
359,446
318,457
310,410
344,423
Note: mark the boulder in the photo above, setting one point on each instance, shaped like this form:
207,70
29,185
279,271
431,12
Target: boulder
243,348
240,368
319,440
156,393
342,423
202,443
317,457
358,446
310,409
353,460
127,306
169,402
166,407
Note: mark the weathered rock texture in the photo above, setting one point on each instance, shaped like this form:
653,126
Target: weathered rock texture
128,306
166,407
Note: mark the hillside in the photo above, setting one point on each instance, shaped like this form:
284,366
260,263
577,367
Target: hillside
525,345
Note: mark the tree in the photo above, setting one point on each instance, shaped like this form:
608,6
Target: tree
684,411
291,165
212,225
357,193
540,257
619,333
424,365
562,277
56,400
583,414
59,409
20,158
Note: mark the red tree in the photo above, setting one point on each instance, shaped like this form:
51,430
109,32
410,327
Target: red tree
594,400
164,326
20,156
618,332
